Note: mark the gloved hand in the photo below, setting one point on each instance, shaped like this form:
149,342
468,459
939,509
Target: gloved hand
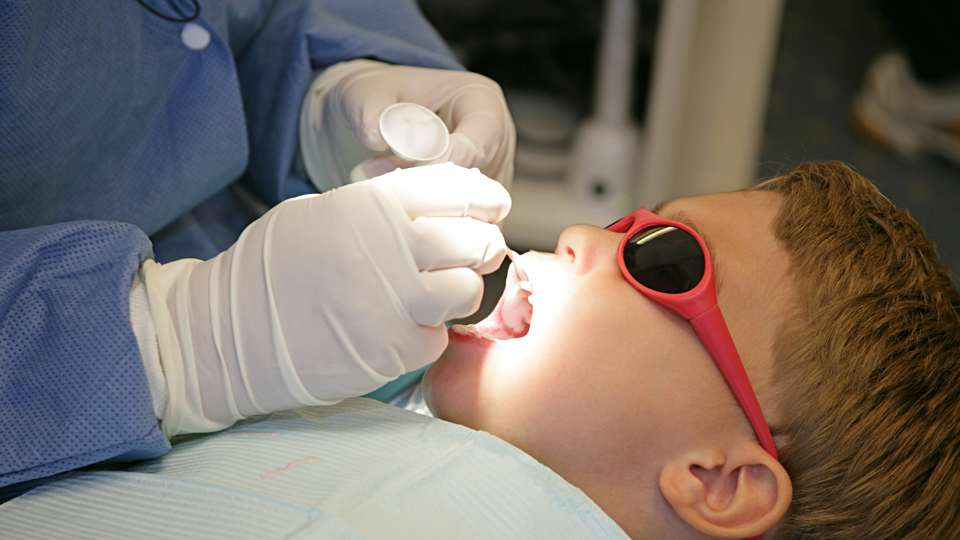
339,121
324,297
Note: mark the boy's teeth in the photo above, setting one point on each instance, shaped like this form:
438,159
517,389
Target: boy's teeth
525,285
530,299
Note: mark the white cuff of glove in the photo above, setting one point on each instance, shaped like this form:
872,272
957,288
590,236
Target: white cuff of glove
143,329
184,411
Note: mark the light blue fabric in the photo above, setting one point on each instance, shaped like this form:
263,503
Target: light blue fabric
360,469
390,390
106,115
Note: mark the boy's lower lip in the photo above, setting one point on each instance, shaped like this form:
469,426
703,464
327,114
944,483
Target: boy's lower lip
469,348
472,339
462,334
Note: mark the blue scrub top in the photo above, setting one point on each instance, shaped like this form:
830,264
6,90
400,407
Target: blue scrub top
110,118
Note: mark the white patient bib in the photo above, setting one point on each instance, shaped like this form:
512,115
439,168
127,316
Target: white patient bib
359,469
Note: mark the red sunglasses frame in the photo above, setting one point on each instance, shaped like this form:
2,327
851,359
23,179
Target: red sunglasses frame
699,306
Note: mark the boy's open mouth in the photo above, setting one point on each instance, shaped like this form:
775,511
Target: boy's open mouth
511,318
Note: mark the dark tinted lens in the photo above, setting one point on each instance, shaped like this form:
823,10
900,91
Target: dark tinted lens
665,259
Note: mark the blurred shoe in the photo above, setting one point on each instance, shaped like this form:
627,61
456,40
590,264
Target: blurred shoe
897,111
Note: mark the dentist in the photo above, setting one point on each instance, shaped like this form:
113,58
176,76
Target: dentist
124,123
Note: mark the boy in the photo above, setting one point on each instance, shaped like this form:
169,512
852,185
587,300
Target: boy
845,324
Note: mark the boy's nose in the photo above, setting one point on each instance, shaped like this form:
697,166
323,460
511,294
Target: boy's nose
584,246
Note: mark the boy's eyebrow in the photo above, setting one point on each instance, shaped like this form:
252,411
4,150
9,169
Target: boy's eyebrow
660,206
675,214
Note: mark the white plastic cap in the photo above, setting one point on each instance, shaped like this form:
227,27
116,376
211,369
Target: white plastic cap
414,132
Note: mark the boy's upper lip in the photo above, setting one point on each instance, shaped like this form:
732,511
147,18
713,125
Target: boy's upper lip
526,265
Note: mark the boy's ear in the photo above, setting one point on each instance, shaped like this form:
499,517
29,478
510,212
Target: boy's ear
737,492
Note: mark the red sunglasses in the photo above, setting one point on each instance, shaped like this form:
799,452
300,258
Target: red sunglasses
669,263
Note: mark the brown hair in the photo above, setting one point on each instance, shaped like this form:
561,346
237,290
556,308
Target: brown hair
867,371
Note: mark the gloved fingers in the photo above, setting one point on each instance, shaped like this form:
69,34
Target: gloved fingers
445,295
464,152
476,114
362,105
430,343
470,104
446,242
377,166
446,190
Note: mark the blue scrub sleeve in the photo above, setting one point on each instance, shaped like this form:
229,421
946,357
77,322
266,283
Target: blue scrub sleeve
72,385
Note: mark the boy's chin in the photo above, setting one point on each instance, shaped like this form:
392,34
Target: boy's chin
453,382
466,350
476,355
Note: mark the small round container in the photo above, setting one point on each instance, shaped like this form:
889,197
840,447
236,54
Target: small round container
414,132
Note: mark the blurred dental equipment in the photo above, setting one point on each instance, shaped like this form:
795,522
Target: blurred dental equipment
712,63
324,297
605,146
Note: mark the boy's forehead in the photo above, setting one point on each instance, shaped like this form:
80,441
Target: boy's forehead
737,208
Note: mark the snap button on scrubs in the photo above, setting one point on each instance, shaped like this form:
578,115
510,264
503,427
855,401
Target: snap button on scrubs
195,37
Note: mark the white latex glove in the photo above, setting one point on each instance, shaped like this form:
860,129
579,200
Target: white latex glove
326,296
339,120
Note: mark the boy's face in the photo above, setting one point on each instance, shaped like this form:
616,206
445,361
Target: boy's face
606,380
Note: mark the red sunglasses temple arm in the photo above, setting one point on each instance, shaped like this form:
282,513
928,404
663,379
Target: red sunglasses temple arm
714,334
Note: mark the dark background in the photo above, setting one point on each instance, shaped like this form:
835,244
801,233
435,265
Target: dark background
824,49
